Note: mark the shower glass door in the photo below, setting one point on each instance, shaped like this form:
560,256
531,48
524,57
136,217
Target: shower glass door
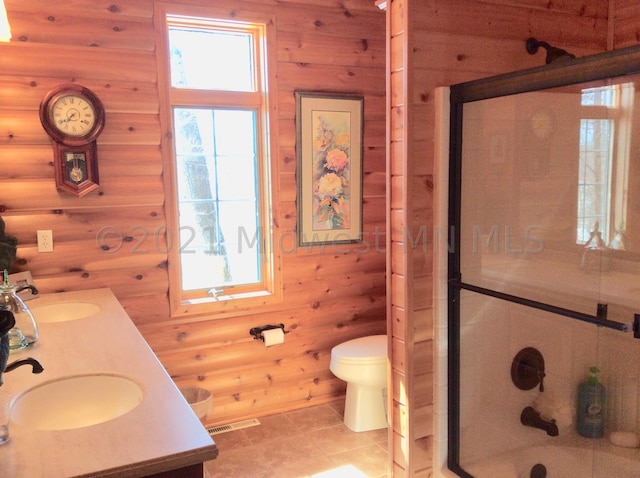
544,268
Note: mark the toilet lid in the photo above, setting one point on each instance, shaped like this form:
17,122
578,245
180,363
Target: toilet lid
362,349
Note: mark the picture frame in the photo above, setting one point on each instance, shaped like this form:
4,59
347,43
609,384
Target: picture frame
329,149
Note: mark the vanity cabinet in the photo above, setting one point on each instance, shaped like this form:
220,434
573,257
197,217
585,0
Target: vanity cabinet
86,333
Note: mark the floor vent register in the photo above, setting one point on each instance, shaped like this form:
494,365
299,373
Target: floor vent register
233,426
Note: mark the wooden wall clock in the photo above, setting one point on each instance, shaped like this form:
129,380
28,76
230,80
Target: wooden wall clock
74,118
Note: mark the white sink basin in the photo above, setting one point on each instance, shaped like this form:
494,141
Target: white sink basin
64,311
76,401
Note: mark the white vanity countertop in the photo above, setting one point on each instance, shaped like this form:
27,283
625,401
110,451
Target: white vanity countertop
160,434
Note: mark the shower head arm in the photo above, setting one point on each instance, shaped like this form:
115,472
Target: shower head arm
553,53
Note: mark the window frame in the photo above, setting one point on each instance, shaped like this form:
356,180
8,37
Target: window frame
598,113
619,117
240,299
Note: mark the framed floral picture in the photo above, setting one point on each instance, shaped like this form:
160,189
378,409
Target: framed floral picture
329,131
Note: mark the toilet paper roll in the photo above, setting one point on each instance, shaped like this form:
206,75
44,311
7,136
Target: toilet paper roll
273,337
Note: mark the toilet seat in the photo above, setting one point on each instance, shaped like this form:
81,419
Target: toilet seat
363,350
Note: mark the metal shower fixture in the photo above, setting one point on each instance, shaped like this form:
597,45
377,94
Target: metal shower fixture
553,53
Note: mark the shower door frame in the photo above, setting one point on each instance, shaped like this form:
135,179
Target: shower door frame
625,61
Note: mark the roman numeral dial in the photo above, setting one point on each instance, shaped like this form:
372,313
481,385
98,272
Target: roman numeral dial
73,115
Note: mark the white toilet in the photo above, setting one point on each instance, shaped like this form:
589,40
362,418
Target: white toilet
362,363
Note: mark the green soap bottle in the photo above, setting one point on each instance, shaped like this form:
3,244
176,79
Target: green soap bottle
591,406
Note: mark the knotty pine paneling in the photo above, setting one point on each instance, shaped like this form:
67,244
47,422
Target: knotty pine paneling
112,227
450,53
22,92
345,6
516,20
80,9
116,236
626,23
123,282
84,256
35,161
300,47
197,334
21,196
77,63
340,22
117,31
350,79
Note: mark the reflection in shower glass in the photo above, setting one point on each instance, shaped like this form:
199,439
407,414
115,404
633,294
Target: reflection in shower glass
594,178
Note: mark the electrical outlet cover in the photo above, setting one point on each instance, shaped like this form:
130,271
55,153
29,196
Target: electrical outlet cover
45,241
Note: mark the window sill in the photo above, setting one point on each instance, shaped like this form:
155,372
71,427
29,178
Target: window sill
229,305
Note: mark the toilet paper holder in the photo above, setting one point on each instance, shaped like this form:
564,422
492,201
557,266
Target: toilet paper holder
256,332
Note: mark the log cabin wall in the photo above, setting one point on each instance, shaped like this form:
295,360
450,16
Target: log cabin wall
439,43
625,23
114,237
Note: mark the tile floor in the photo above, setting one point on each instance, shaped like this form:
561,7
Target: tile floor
307,443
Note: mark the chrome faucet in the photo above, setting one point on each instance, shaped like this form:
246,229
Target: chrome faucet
530,418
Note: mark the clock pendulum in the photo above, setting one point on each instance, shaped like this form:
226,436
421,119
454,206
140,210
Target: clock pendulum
73,116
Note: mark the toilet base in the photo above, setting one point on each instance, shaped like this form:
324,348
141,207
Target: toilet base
365,408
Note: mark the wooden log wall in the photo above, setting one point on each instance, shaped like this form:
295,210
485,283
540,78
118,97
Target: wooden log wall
625,19
438,43
114,237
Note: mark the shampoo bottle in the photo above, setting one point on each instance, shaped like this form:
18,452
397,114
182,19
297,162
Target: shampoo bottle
591,402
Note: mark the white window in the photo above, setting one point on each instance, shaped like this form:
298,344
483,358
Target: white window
603,162
221,254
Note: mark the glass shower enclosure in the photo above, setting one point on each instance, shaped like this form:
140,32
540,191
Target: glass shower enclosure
544,271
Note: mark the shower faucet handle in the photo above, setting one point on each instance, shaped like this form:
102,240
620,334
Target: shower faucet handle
527,369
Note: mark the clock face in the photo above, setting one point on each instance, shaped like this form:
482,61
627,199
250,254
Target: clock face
73,115
543,124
